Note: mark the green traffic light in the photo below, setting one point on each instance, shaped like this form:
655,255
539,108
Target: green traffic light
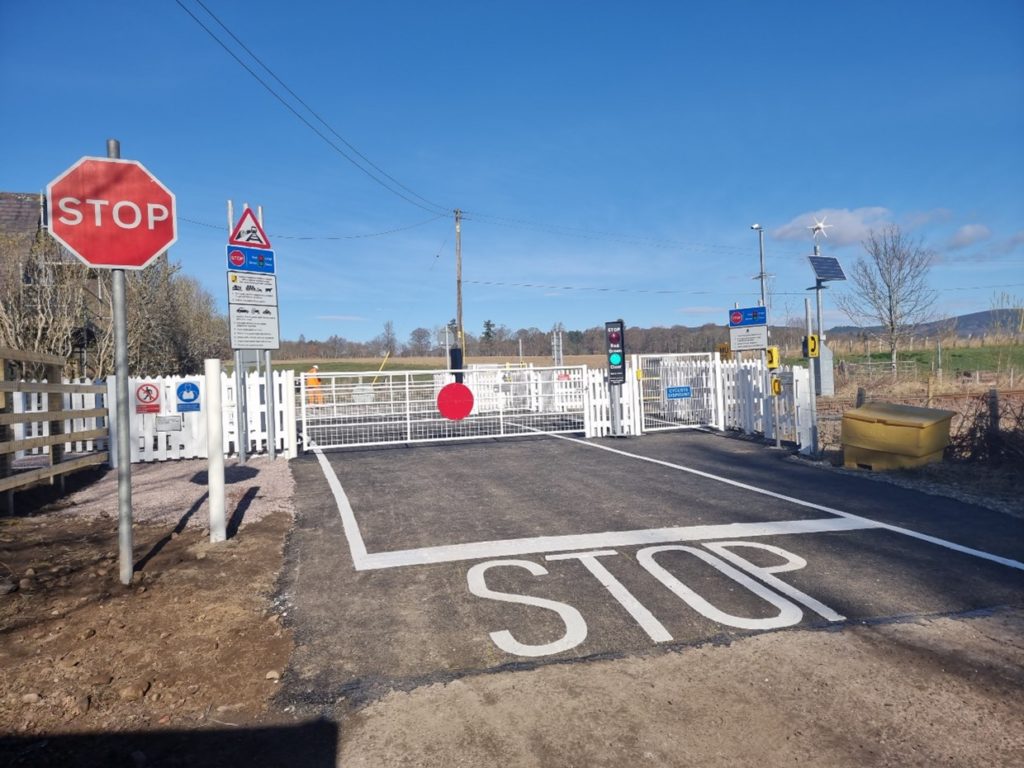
615,358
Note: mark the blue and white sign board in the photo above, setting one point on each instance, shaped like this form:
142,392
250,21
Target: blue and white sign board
678,393
242,259
741,318
188,396
748,329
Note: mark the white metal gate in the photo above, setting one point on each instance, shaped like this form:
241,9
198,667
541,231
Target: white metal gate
680,391
364,409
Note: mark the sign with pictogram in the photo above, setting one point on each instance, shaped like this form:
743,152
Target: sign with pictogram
739,318
147,398
111,213
248,232
256,289
253,327
188,396
242,259
810,345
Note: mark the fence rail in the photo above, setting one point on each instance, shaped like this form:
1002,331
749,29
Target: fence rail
48,428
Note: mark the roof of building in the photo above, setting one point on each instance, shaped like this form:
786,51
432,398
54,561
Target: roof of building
19,213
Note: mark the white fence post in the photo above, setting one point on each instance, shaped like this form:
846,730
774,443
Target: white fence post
215,442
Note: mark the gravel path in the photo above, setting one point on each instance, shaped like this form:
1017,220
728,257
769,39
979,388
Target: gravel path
165,492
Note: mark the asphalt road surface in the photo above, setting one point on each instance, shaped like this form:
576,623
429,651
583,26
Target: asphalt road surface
410,566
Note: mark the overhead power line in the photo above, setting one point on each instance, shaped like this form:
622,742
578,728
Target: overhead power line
588,234
278,236
411,198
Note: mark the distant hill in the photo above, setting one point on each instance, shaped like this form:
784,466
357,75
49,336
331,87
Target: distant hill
993,321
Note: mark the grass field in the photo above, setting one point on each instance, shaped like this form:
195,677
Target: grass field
995,358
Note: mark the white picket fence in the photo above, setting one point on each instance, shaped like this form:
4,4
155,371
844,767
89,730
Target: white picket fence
741,404
161,439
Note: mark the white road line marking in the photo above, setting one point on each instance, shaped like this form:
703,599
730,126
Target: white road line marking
480,550
362,560
348,518
848,515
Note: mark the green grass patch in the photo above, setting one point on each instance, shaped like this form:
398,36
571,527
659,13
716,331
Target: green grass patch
992,358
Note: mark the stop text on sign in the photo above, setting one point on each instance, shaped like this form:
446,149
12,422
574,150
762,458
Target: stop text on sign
124,213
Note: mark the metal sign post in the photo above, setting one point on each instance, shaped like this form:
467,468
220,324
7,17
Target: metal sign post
271,395
811,364
253,311
114,214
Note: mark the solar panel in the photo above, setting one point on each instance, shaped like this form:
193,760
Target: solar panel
826,268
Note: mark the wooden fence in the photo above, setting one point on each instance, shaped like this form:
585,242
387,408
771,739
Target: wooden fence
62,434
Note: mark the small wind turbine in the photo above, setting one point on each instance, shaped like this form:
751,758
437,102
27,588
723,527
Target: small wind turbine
819,228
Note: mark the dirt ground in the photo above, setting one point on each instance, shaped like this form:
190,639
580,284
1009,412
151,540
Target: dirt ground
194,642
182,667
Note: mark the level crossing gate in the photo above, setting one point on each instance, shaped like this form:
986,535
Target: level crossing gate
680,391
366,409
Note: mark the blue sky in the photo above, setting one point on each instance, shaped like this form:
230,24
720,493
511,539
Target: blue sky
592,146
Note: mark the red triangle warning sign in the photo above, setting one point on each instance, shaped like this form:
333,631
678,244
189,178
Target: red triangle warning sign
248,232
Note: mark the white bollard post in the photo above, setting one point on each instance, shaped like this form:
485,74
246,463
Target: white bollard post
215,450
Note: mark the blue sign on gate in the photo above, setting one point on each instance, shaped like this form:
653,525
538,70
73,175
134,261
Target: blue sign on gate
188,396
678,393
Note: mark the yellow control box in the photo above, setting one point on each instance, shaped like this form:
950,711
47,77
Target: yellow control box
889,436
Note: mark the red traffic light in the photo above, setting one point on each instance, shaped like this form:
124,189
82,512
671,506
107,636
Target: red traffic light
614,337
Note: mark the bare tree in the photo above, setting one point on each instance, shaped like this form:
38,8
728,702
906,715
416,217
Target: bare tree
387,342
41,296
419,342
890,286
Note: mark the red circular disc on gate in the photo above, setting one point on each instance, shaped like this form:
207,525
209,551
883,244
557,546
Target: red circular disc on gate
455,401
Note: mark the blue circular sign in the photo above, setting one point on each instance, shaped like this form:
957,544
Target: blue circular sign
188,392
188,397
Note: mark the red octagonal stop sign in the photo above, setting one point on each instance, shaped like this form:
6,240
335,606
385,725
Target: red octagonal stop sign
111,213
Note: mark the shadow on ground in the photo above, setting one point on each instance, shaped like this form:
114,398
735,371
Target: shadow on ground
312,745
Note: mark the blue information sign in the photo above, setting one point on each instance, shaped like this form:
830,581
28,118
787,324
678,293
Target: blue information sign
740,318
678,393
242,259
188,396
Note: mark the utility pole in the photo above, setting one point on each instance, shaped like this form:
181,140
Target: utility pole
458,278
455,355
766,383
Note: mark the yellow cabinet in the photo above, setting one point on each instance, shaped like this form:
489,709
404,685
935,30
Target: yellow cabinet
888,436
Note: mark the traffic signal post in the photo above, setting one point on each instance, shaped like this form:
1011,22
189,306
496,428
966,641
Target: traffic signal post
615,344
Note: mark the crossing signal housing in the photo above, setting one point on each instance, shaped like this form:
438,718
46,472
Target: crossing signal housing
615,344
772,357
